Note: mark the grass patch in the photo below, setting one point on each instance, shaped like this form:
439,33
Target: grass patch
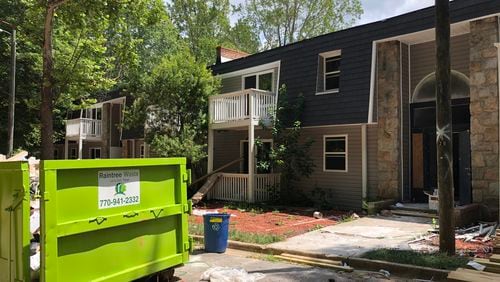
236,235
435,260
255,238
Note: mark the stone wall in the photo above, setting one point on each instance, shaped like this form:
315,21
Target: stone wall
484,111
389,114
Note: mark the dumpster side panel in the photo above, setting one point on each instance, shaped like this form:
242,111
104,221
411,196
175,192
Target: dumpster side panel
14,221
113,221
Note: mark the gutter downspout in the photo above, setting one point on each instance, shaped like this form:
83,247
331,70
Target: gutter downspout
364,165
498,84
372,82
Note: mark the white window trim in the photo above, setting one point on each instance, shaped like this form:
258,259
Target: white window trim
335,90
242,142
346,153
256,74
95,148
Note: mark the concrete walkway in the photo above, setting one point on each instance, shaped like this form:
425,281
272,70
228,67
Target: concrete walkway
274,271
359,236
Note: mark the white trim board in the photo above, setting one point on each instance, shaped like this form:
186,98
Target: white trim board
250,70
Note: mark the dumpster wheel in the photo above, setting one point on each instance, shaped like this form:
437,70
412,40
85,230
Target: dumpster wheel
166,275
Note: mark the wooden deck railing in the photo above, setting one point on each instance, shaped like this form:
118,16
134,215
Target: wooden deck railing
234,187
241,105
84,127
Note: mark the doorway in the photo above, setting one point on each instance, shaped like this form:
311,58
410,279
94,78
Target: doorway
262,155
424,150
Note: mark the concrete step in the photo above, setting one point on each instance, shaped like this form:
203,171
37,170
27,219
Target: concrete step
413,209
414,213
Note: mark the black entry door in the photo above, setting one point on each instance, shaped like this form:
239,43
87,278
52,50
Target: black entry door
464,168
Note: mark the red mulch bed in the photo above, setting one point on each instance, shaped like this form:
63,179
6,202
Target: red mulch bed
286,222
473,249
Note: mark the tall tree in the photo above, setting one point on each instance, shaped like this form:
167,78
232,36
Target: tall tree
281,22
202,24
444,134
48,81
205,24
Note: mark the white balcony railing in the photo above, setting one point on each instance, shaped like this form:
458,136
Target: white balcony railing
242,105
234,187
84,128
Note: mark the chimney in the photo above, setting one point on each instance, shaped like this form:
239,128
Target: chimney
225,54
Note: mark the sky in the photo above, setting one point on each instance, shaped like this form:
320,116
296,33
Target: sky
375,10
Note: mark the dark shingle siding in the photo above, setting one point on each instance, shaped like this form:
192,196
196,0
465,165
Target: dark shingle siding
299,61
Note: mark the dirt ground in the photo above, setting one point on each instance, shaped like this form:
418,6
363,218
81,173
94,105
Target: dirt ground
286,222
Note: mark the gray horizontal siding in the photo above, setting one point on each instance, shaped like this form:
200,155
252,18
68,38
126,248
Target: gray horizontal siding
299,61
227,147
342,190
423,58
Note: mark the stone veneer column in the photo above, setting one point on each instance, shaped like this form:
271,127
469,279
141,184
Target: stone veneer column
484,111
389,115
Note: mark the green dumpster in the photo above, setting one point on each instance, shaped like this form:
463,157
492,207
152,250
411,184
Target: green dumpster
111,220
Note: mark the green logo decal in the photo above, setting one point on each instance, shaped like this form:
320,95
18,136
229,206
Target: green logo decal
120,189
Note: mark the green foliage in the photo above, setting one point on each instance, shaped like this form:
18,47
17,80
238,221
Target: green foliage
290,154
172,103
98,45
255,238
282,22
434,260
204,25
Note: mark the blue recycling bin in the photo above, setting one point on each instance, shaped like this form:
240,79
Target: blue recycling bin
216,227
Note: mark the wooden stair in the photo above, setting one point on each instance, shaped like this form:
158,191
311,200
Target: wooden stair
198,196
490,273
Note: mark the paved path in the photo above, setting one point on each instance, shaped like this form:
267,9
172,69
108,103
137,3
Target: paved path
359,236
273,271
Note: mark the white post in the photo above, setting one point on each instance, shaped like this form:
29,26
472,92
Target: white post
251,152
364,164
80,148
210,165
66,148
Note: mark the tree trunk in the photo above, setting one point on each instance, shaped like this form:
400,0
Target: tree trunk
47,130
444,129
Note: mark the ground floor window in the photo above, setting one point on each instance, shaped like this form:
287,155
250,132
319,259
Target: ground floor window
335,153
95,153
142,151
73,155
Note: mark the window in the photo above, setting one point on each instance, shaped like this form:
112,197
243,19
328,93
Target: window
262,81
142,152
332,74
73,154
335,153
56,154
92,113
95,153
328,72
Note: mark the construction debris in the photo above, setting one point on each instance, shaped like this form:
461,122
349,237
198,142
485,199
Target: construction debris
474,241
317,215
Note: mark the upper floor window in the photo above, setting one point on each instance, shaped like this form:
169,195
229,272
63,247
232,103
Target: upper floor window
92,113
262,81
329,73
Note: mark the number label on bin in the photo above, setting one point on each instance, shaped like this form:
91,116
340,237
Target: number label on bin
215,220
118,188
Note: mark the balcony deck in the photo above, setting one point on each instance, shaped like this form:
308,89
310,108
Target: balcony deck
84,128
241,108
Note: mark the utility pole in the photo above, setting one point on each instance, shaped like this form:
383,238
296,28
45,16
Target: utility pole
444,134
12,95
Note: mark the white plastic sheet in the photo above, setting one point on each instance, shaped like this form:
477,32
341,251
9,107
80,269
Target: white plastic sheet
229,274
